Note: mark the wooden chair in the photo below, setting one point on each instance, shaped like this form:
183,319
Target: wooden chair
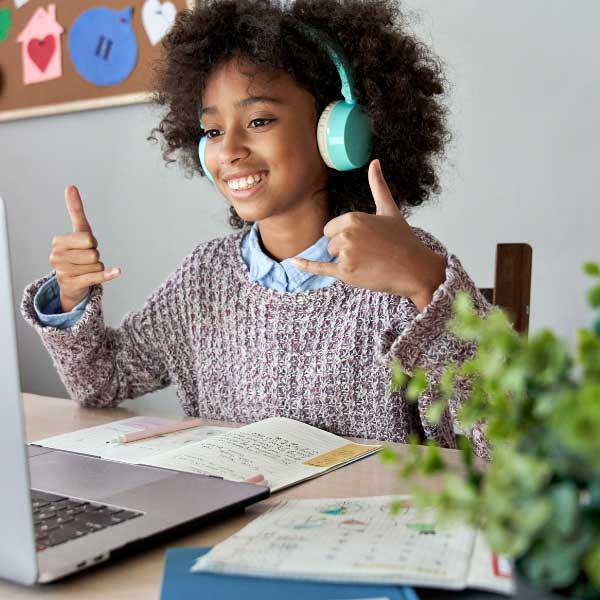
512,283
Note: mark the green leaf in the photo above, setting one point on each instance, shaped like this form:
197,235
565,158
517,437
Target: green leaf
388,455
594,296
594,492
550,566
592,268
447,381
547,358
396,506
462,305
464,445
435,411
399,377
417,385
591,564
465,322
588,352
565,500
432,460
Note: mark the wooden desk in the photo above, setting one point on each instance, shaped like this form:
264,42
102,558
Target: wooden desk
139,576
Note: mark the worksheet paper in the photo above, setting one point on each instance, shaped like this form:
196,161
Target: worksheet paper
358,540
97,441
283,450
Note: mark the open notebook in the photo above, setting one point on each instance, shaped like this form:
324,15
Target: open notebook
283,450
357,540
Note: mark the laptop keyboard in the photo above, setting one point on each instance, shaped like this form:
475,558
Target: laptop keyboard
58,519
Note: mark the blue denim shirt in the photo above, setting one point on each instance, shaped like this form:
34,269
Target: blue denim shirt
281,276
284,276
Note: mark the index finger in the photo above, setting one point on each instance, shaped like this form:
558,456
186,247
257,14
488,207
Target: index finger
329,269
75,208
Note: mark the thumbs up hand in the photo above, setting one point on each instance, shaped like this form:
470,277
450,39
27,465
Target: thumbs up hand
380,252
75,257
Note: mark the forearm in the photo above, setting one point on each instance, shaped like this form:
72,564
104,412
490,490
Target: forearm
99,365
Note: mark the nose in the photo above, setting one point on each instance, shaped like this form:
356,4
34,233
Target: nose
233,146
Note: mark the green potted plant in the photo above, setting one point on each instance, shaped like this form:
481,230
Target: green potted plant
538,498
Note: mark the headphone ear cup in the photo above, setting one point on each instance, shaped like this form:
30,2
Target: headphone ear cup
344,136
322,134
201,151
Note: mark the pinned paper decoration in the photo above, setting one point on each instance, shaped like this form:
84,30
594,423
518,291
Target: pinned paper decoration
19,3
103,46
158,19
40,46
5,23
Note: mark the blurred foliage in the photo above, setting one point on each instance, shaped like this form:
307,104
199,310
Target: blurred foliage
538,499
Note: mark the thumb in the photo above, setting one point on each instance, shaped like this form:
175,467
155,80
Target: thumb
75,208
384,201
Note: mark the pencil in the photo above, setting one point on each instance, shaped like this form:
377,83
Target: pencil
150,432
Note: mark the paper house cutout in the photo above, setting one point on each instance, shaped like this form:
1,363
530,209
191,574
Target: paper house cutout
40,46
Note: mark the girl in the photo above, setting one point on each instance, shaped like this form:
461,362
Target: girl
300,311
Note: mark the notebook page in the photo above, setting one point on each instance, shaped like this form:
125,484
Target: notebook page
278,448
488,571
96,441
346,539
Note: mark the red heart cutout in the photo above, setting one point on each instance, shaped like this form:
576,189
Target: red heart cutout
41,51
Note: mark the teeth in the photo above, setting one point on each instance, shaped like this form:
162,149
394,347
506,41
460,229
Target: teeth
245,182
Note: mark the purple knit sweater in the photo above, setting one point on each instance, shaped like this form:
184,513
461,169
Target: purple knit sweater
240,352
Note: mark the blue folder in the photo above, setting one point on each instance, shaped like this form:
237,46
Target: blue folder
179,584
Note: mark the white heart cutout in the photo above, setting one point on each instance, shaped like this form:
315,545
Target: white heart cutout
157,19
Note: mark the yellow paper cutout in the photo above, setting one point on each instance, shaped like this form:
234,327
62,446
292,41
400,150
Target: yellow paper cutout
339,455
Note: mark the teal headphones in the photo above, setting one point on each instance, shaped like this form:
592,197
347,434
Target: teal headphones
344,132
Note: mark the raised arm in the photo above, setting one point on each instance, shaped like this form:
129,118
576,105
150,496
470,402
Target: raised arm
100,365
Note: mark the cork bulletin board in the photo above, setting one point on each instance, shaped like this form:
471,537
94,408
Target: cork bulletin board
67,55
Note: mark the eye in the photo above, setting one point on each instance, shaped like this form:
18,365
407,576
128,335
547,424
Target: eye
268,120
209,131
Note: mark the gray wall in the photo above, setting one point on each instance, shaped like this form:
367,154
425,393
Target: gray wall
523,167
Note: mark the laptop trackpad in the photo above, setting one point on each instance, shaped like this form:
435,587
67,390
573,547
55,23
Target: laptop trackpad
87,477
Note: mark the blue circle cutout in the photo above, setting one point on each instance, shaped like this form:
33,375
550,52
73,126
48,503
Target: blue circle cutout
103,46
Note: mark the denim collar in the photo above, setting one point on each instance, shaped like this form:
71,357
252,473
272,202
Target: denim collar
261,264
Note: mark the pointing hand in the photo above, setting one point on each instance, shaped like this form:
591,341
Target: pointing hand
380,252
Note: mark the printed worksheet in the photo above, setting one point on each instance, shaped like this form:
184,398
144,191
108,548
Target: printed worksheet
283,450
98,441
355,540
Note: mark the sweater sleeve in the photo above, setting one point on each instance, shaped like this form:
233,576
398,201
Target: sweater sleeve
101,366
49,310
422,340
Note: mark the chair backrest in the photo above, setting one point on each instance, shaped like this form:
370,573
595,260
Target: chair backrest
512,283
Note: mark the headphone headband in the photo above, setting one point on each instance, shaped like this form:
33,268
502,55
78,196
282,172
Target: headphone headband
337,57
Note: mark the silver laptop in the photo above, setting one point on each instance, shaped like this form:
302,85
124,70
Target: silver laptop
62,512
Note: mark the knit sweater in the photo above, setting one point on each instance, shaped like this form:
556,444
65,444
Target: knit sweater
238,351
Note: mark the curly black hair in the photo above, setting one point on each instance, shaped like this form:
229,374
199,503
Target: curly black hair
397,78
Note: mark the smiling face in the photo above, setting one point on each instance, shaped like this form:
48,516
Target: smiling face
274,138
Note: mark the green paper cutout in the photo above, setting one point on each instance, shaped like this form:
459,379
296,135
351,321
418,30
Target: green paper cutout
5,23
